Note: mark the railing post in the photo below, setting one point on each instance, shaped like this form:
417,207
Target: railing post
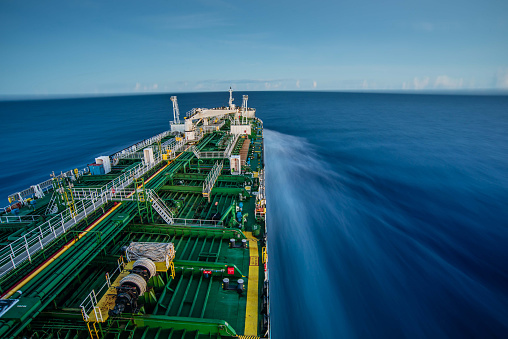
12,259
85,316
27,251
91,299
10,245
40,241
95,297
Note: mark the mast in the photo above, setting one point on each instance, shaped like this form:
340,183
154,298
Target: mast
176,111
231,105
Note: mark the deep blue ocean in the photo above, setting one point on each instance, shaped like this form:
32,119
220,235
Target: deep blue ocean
388,213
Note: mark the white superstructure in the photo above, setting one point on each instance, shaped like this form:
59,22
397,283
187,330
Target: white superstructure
202,119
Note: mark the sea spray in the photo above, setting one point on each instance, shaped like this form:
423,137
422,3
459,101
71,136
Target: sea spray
302,197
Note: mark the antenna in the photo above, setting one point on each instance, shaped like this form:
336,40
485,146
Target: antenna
176,111
244,109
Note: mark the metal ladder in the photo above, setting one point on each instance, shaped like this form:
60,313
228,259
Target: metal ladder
52,205
92,329
195,151
231,145
211,179
160,207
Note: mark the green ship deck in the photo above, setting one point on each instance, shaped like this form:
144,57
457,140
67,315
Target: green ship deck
199,187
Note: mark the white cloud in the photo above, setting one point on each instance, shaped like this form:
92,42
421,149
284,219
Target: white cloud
365,84
155,86
314,84
268,85
444,81
297,83
137,87
421,83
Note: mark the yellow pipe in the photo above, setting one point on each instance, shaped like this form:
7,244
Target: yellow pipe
153,176
56,255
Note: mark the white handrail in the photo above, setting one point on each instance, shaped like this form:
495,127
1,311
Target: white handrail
211,178
33,242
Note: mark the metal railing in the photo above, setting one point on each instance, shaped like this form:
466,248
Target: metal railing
18,218
195,151
127,152
211,178
52,205
43,186
90,303
160,207
173,147
231,146
209,155
140,155
47,184
197,222
134,155
213,127
261,194
22,249
191,112
218,154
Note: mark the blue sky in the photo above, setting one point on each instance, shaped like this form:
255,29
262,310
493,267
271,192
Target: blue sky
80,47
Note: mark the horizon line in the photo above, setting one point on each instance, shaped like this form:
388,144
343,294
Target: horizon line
476,91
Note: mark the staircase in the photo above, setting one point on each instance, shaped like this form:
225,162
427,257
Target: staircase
195,151
52,207
160,207
211,179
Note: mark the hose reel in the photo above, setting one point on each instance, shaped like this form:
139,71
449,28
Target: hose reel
144,268
133,286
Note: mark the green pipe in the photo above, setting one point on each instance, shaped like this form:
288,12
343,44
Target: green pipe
215,266
65,275
230,208
203,326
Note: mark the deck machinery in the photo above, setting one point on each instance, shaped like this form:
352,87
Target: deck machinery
164,239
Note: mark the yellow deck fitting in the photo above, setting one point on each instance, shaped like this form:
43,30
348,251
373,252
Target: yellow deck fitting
107,302
251,314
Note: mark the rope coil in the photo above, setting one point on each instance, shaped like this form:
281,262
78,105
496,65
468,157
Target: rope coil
157,252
